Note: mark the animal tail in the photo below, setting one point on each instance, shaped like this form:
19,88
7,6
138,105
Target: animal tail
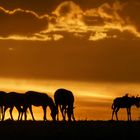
1,112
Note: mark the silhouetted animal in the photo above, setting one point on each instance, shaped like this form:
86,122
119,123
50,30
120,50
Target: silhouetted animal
39,99
124,102
11,100
64,101
2,96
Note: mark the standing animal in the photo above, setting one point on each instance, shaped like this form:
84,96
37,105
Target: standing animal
64,100
11,100
124,102
34,98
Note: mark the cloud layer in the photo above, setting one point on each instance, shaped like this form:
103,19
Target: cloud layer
108,20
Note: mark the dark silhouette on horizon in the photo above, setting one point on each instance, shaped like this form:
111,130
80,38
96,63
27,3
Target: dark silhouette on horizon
64,100
124,102
23,101
2,98
34,98
11,100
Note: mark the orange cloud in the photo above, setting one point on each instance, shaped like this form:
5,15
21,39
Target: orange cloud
24,11
31,38
69,17
98,21
98,36
20,24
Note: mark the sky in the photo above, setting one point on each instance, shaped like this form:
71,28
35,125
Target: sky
92,41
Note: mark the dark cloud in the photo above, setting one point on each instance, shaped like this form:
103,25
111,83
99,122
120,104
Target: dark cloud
47,6
39,6
131,12
20,23
93,20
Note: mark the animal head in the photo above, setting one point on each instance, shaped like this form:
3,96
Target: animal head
53,108
136,101
54,112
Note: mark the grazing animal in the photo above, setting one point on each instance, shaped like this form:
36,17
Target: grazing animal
11,100
39,99
124,102
64,100
2,97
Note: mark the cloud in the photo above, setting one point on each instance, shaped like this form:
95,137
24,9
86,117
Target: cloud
107,18
67,8
99,21
104,14
57,37
130,13
21,22
27,38
96,22
68,16
98,36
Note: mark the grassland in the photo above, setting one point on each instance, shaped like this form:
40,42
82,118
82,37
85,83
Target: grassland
79,130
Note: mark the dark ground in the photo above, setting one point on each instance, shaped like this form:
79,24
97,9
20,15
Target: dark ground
79,130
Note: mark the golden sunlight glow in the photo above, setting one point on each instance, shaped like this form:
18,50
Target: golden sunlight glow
98,36
129,28
69,9
94,98
32,38
24,11
102,11
57,37
81,92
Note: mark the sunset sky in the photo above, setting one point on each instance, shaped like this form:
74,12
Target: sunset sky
91,47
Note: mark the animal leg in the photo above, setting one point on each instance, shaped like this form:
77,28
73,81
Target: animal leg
11,109
3,116
58,116
116,113
113,113
62,112
129,114
30,108
57,112
20,110
44,110
1,107
24,111
69,113
73,116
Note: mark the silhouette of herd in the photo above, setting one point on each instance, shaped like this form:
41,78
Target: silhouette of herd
124,102
63,99
63,102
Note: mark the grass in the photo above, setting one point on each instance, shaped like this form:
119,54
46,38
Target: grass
112,130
